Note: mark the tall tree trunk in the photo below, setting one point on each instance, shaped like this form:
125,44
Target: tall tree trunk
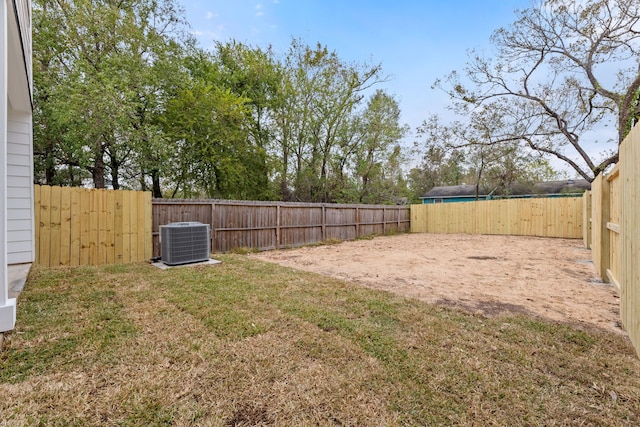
97,172
156,191
115,174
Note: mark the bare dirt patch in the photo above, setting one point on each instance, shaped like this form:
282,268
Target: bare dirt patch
488,275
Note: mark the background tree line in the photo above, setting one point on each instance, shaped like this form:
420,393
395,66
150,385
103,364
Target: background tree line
124,97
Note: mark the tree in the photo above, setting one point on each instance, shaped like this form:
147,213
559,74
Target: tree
96,66
254,74
377,154
319,98
562,68
467,152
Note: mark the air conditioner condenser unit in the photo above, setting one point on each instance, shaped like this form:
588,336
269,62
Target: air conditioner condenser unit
184,242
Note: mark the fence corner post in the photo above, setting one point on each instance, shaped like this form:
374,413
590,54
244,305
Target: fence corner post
586,219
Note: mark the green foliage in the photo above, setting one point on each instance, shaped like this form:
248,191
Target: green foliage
547,85
124,98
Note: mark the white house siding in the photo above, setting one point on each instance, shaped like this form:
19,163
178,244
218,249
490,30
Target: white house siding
16,170
20,228
20,231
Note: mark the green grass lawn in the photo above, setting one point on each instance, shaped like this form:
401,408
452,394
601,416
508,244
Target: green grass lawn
251,343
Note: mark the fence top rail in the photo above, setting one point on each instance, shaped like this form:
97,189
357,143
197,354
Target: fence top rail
158,201
613,173
91,189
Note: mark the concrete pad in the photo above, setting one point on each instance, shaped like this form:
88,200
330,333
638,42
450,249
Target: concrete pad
162,266
17,278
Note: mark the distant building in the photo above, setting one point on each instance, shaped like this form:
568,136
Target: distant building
467,192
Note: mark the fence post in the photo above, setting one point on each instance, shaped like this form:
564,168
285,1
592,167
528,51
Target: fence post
324,223
600,216
586,219
213,236
278,211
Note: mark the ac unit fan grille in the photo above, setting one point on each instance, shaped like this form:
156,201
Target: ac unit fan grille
184,243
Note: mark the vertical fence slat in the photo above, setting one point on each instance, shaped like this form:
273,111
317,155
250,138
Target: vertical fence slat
85,227
65,227
148,240
109,216
140,226
54,208
75,214
126,227
102,227
45,226
36,222
118,234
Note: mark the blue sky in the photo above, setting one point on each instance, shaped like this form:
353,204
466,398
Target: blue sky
415,41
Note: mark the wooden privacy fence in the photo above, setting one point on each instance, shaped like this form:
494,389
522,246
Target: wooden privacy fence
546,217
605,240
615,231
273,225
78,226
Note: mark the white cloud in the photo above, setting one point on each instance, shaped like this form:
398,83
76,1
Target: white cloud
211,15
259,10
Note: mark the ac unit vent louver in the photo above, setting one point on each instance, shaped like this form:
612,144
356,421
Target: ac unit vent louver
184,242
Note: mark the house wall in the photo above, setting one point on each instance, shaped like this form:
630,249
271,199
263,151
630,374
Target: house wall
20,229
19,146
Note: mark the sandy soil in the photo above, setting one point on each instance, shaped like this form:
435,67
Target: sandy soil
489,275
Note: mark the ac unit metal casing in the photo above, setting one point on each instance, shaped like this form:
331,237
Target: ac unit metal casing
184,242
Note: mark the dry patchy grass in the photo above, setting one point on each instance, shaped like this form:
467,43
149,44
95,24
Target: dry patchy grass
252,343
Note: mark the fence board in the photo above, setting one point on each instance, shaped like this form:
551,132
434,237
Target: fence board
271,225
75,213
85,227
65,227
629,256
109,227
54,208
545,217
93,227
36,221
118,227
77,226
599,215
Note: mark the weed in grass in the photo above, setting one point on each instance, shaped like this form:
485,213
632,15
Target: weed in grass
330,241
243,250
